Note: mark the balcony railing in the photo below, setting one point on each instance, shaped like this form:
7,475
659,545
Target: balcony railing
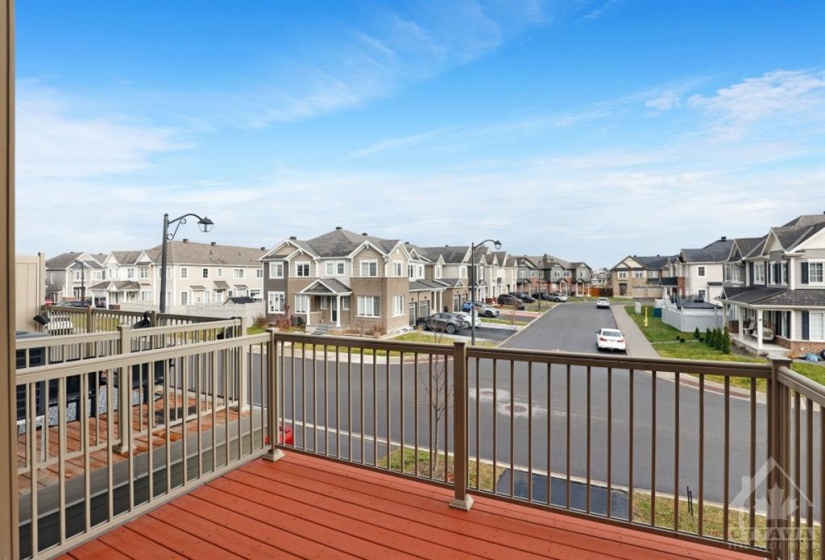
725,453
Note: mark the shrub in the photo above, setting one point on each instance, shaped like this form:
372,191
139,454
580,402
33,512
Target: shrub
726,341
708,337
261,322
696,334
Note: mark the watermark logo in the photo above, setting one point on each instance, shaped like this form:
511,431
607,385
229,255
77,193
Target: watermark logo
772,504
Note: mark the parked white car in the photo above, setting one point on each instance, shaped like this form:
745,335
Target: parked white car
466,319
603,303
610,339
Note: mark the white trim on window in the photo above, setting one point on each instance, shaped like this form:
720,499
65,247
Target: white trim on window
302,269
275,302
302,303
398,306
369,269
369,306
276,269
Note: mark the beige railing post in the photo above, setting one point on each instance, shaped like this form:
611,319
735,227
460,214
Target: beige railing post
779,436
124,408
272,376
9,514
243,370
462,499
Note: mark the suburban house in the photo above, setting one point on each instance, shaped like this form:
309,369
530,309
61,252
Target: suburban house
69,276
342,278
641,277
600,278
774,289
451,267
197,273
702,271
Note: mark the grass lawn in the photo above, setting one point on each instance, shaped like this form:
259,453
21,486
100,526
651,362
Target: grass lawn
664,340
481,472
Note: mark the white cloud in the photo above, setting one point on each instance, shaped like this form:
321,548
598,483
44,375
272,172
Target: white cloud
52,142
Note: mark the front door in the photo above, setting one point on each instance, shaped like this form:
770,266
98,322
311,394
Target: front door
333,307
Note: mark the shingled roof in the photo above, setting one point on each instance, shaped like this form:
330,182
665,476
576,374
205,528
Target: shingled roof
186,252
717,251
341,242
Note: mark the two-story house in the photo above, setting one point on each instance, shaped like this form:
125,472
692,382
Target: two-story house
640,277
345,279
703,271
776,292
71,276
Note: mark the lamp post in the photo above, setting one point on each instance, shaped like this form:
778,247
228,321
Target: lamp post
205,225
497,245
82,280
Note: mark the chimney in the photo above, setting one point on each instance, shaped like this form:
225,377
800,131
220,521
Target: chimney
214,243
263,248
185,240
338,228
364,234
724,238
293,238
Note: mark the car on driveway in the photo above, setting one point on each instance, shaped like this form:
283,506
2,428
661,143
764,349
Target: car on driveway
610,339
466,319
468,305
559,298
526,298
543,296
440,322
510,300
484,310
603,303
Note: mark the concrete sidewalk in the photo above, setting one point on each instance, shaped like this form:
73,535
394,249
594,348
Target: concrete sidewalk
637,343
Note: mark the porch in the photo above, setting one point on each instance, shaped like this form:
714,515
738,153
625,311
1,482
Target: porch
309,507
540,454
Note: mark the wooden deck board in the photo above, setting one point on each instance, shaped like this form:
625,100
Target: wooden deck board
310,507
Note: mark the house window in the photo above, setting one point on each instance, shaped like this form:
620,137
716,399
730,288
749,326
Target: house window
816,272
622,275
462,272
259,273
275,302
301,303
784,273
411,271
369,268
438,271
397,306
238,273
146,296
335,268
184,298
638,274
816,324
759,273
701,295
397,268
220,273
700,271
144,272
369,306
184,272
345,303
302,270
276,269
205,273
421,271
130,273
653,274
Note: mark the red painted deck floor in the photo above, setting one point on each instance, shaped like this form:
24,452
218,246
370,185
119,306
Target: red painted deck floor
309,507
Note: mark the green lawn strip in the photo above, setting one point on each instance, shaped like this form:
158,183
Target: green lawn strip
482,471
664,340
739,525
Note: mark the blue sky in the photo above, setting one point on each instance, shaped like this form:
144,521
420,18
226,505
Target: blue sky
589,130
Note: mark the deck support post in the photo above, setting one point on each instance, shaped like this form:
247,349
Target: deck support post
275,453
462,499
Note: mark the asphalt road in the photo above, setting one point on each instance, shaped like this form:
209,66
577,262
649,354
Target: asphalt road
328,396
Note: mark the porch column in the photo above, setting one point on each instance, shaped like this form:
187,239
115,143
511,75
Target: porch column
758,329
338,311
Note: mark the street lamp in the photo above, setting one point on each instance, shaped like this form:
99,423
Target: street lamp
82,280
497,245
205,225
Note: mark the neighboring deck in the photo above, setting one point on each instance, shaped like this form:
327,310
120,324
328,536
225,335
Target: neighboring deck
310,507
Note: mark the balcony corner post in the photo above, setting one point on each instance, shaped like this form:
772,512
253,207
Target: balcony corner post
124,392
462,499
779,436
243,370
275,453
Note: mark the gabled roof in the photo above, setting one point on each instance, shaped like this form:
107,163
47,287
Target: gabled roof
127,257
744,246
64,261
718,251
806,220
341,243
327,286
427,285
776,297
652,263
790,237
188,253
451,255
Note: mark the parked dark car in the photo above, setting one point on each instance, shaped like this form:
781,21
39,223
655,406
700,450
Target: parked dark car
440,322
510,300
526,298
544,296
